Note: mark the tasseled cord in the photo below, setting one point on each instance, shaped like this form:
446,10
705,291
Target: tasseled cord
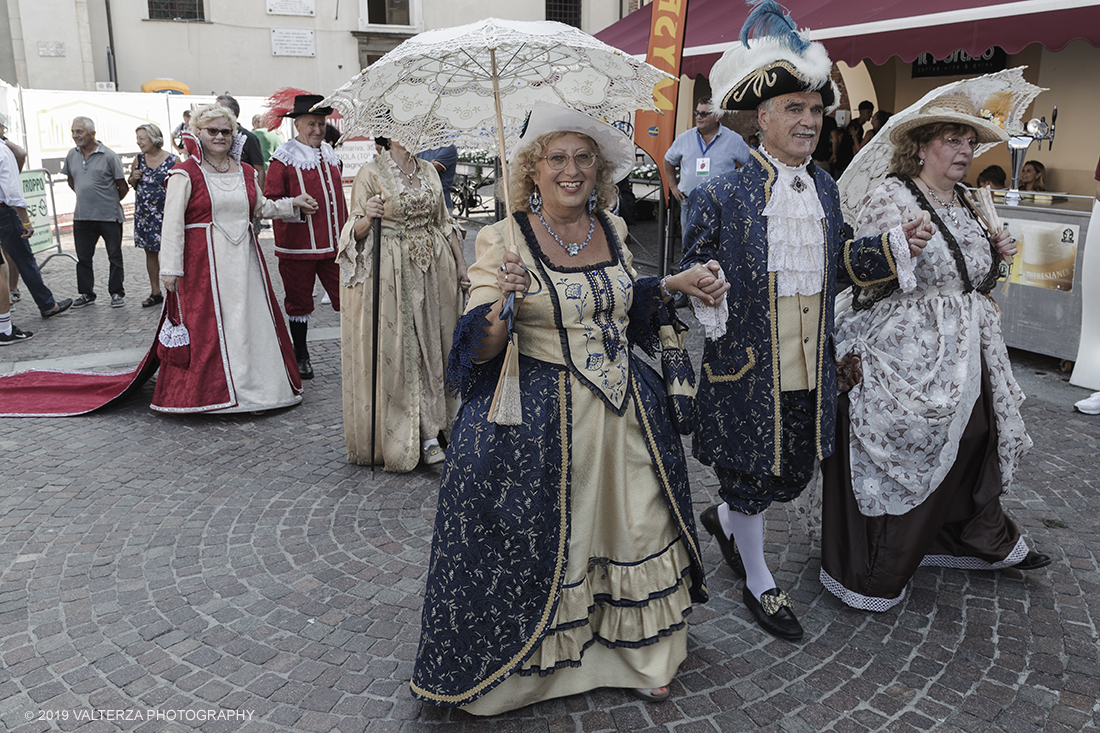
769,18
506,407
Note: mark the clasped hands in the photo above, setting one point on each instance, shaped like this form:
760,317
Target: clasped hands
700,281
305,203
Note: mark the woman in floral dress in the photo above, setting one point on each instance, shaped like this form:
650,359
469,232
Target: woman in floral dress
147,176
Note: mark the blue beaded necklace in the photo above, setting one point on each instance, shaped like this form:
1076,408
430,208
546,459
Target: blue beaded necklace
574,248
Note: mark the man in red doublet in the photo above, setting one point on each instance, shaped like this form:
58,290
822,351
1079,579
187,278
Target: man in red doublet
306,248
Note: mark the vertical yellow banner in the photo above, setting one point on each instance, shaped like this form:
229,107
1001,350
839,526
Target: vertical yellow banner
653,131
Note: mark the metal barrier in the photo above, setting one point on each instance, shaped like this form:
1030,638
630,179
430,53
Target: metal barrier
36,184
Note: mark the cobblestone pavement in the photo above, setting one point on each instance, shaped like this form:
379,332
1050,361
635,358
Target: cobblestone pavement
168,566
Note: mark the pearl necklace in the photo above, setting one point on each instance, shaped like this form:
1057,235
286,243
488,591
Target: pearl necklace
574,248
948,208
412,175
215,165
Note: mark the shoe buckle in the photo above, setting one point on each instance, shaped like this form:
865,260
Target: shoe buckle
771,603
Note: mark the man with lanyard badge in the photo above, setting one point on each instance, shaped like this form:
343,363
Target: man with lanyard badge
706,150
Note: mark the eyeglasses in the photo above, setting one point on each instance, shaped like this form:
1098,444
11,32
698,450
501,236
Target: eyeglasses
558,161
215,131
957,143
703,113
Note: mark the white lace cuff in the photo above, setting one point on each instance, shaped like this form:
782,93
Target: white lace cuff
899,247
712,317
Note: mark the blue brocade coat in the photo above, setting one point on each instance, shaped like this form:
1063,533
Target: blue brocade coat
739,423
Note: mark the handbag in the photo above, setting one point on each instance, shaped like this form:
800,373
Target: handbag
174,340
676,369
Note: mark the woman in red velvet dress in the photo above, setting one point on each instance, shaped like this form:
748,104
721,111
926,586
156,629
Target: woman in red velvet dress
240,353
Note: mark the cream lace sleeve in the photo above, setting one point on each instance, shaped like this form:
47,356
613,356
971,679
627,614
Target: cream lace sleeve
490,248
354,255
885,211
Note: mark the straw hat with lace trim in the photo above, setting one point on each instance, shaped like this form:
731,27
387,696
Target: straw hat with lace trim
955,109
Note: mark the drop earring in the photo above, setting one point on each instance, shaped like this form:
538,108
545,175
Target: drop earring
593,199
535,201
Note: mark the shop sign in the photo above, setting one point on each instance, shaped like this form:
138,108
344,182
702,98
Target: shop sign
35,192
960,63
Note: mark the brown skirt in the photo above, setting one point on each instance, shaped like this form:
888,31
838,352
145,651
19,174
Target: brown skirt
867,561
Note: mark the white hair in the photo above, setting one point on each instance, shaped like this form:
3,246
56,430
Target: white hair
87,122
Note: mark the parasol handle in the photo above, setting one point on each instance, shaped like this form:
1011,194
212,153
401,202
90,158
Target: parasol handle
376,259
500,144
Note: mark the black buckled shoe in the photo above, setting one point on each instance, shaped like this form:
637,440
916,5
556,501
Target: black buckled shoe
305,369
774,613
710,522
1033,561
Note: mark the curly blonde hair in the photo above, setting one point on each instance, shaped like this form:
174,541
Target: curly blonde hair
906,160
205,115
523,166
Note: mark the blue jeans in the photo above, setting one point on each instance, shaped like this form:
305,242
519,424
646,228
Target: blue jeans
86,234
19,252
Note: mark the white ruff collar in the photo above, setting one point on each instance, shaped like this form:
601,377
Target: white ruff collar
297,155
796,239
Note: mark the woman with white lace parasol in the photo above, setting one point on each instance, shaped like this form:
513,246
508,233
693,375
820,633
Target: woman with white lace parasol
565,556
932,437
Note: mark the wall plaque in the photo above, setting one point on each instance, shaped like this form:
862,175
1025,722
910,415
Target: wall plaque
292,7
292,42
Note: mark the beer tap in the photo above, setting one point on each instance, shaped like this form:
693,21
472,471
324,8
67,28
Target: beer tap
1037,129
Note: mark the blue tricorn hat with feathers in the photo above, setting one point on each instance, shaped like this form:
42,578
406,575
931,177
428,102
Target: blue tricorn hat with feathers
773,59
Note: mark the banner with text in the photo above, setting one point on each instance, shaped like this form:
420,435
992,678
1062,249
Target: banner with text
653,131
36,191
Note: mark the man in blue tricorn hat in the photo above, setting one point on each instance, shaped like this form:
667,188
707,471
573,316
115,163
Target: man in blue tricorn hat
769,373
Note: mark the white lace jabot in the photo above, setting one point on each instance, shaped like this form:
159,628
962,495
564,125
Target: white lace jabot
796,239
298,155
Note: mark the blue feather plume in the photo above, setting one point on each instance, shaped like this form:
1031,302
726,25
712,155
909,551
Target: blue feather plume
769,18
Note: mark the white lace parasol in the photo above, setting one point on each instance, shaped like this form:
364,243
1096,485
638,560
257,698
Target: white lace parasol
1002,97
437,88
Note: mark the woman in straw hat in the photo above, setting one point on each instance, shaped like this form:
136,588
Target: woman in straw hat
932,437
565,556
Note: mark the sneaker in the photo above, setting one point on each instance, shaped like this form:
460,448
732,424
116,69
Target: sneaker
1089,405
59,307
117,301
15,296
83,300
17,335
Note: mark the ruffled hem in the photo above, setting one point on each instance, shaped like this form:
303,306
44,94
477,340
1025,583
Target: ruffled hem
615,605
858,600
1016,556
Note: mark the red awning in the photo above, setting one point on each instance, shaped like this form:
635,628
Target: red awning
878,29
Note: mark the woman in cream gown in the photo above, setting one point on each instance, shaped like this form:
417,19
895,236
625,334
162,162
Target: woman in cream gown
423,269
565,556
